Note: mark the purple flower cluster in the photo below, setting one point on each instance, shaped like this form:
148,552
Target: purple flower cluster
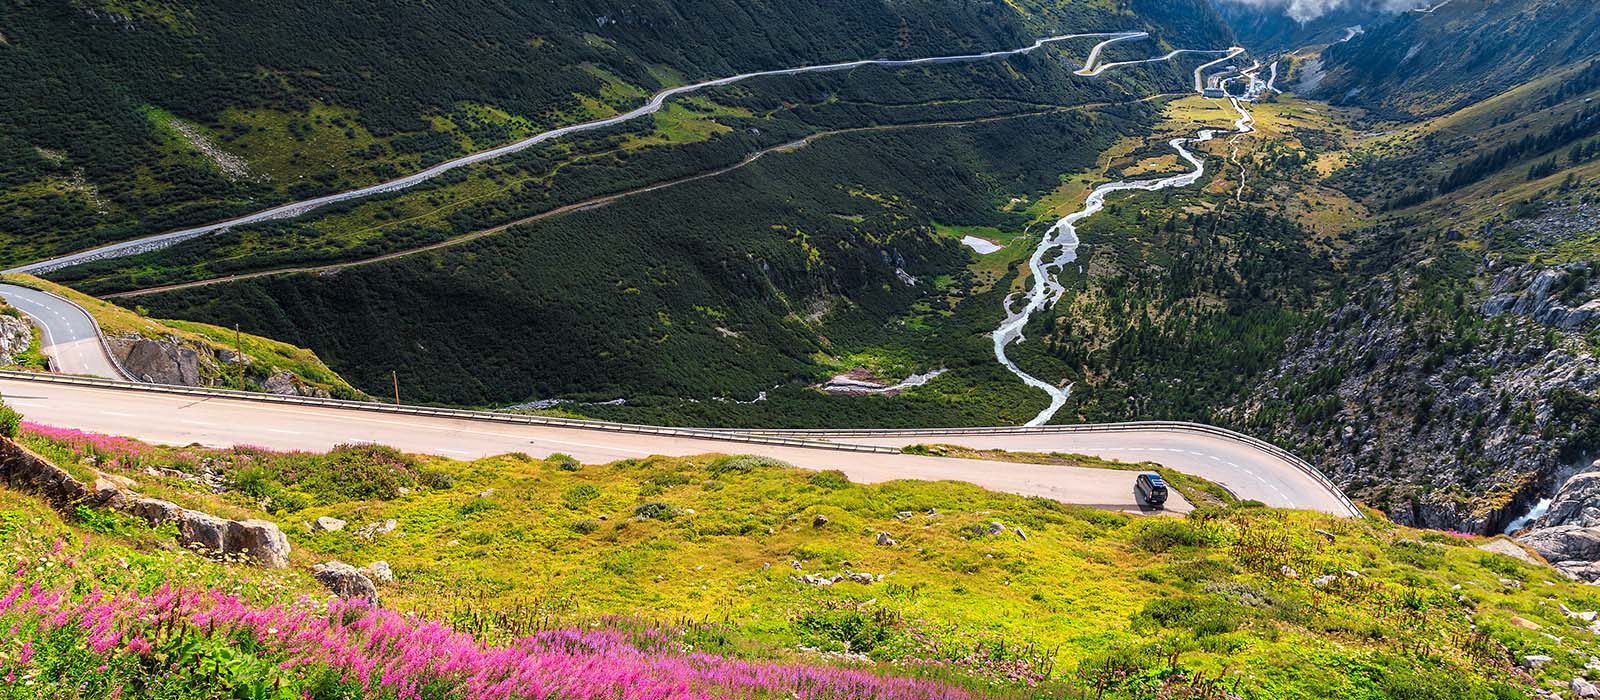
389,654
87,443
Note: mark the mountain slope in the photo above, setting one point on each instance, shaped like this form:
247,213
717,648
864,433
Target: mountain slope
998,596
182,113
1427,64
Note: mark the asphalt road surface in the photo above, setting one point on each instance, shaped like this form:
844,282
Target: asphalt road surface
220,422
1245,470
69,336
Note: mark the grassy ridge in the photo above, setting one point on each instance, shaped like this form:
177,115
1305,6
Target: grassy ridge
268,355
1223,602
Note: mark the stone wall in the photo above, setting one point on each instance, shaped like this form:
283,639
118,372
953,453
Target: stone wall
257,541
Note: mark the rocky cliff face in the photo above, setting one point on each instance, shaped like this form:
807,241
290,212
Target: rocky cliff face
1568,534
1545,297
15,337
172,361
1460,421
159,361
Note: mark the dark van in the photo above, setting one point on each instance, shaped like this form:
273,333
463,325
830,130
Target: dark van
1152,490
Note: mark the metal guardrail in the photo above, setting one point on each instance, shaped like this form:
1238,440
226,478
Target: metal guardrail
1165,426
813,439
456,413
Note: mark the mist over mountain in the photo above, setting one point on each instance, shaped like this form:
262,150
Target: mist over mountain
1282,25
1304,11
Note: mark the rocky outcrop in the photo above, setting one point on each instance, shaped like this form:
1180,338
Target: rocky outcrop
345,581
158,361
1440,428
256,541
285,383
1564,543
1577,502
1541,301
16,335
172,360
1568,534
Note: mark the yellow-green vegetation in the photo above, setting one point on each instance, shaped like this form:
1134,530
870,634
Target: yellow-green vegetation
265,353
990,267
1252,601
309,145
125,554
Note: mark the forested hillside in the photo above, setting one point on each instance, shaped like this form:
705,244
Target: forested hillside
769,273
1453,382
1425,64
180,113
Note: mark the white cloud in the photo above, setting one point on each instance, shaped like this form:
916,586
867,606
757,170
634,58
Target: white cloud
1306,10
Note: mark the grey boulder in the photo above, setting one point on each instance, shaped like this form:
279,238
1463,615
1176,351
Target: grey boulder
345,581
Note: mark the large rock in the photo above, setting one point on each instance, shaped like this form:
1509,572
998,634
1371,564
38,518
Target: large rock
379,571
158,361
1583,689
345,581
256,541
1536,300
1577,502
1564,543
328,524
16,335
285,383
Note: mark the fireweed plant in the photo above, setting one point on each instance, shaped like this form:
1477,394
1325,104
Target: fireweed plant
68,637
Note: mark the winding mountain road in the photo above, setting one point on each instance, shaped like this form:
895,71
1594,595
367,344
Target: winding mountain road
217,418
1247,467
656,102
69,336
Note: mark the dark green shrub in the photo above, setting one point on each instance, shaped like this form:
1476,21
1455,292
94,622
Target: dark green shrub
1158,535
436,479
10,421
579,496
831,479
585,527
846,625
564,462
255,483
477,505
356,472
1204,616
744,464
286,501
1398,679
655,510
